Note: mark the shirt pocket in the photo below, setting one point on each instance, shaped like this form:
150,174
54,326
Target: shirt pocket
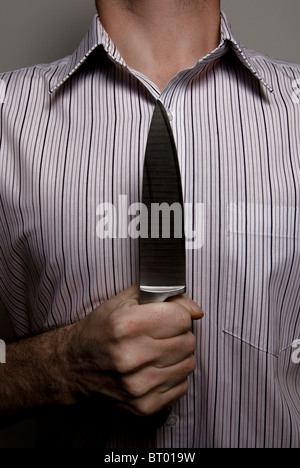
262,299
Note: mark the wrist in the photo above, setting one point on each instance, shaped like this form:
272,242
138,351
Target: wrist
63,361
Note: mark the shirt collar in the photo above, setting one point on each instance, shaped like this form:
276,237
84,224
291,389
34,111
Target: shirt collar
241,51
97,36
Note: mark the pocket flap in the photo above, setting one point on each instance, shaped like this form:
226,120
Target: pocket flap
263,300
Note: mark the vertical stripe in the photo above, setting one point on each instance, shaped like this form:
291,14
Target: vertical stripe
73,135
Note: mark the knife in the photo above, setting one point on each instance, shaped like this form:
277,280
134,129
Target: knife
162,243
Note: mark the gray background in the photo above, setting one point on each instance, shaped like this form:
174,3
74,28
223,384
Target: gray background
40,31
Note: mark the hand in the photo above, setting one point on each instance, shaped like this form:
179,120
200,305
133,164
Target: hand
138,355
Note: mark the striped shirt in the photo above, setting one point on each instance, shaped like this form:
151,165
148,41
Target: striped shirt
73,135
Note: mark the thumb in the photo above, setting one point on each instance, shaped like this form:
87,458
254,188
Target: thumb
194,309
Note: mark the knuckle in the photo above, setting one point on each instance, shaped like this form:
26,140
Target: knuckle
135,387
126,359
191,341
191,364
121,328
129,388
147,406
185,387
123,362
136,392
119,359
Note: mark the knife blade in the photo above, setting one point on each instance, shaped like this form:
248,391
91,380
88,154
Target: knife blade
162,246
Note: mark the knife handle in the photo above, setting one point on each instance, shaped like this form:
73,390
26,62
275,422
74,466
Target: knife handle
150,294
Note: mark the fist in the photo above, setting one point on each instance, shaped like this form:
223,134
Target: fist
138,355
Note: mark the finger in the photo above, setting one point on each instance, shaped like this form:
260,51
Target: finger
171,351
153,379
159,320
131,295
177,374
186,301
154,402
147,352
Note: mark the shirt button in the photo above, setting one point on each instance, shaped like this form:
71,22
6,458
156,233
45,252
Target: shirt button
170,114
172,420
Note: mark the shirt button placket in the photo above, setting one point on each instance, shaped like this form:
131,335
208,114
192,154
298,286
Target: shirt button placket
172,420
170,114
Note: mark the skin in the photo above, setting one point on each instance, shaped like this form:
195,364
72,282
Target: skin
172,34
139,356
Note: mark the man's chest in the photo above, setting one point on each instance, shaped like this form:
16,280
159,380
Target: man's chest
71,187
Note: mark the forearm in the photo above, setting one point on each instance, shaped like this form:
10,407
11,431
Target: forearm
35,373
137,356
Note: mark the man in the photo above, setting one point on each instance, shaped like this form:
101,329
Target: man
73,135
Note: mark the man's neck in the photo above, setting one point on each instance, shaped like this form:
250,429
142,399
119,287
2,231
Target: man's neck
159,38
